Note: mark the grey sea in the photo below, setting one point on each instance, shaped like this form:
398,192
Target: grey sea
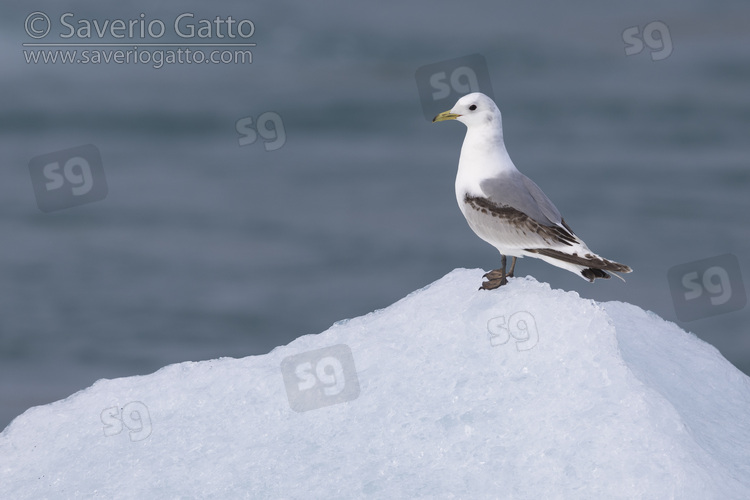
167,197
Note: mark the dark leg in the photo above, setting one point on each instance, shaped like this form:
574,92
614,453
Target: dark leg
512,267
497,273
497,277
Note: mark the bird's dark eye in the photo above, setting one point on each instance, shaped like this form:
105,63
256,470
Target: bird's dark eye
473,107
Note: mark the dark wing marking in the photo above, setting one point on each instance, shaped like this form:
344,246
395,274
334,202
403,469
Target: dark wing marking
515,190
588,260
549,233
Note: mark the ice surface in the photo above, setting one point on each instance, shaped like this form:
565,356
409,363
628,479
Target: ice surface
522,392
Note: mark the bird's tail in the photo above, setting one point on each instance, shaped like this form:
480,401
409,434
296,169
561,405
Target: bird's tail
592,266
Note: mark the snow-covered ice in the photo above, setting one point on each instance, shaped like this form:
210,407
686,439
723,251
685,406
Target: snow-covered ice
522,392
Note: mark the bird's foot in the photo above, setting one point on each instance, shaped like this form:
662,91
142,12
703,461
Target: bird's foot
495,274
495,279
492,284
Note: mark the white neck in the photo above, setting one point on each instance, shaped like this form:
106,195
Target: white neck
483,155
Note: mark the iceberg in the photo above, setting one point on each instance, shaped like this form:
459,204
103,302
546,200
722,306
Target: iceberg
451,392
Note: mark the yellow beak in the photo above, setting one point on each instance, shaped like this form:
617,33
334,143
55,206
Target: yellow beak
445,115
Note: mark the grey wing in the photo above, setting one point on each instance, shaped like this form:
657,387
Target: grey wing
519,192
517,212
545,204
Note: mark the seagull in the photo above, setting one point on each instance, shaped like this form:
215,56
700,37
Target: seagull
507,209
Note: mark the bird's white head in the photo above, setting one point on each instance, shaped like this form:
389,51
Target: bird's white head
475,109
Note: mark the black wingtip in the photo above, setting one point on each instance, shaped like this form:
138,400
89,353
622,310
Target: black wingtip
591,274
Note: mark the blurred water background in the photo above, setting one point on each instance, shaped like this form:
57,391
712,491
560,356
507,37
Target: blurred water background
205,248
